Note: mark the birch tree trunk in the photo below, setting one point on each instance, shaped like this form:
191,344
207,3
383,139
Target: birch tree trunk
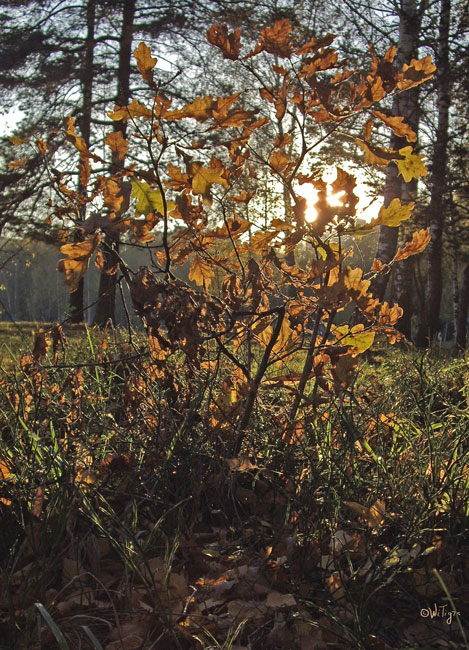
405,105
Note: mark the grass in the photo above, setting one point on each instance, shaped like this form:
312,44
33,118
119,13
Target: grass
126,524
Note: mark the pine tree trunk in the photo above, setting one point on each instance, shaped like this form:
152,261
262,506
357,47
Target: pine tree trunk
106,306
439,185
77,297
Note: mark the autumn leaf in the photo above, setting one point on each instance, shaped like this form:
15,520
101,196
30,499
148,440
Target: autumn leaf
117,144
18,163
145,62
229,44
275,39
354,282
204,177
398,126
77,261
279,160
134,110
4,470
201,272
389,315
416,73
411,165
41,345
419,242
374,516
393,215
356,337
116,195
16,140
261,239
200,109
148,199
376,155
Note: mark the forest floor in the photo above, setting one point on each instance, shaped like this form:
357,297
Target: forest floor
127,523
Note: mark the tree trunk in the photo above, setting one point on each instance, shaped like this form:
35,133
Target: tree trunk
405,105
439,185
106,306
77,297
461,322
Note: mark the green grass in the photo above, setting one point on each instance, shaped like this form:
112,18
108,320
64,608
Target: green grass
123,516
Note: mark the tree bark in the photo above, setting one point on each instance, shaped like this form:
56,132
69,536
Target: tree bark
463,307
405,105
77,297
106,306
439,184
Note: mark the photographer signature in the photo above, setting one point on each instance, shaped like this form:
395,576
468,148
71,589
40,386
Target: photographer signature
439,611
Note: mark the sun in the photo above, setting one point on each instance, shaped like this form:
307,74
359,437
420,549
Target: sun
367,206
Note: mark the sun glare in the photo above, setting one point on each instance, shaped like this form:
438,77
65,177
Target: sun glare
367,206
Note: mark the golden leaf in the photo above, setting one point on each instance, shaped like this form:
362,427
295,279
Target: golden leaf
354,283
204,177
412,165
145,61
374,516
200,109
76,263
279,160
261,239
16,140
4,470
376,155
148,199
419,242
356,337
416,73
393,215
398,125
117,144
133,110
201,272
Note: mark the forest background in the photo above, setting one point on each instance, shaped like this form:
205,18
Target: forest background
234,279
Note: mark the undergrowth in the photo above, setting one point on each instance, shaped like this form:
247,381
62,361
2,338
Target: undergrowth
127,524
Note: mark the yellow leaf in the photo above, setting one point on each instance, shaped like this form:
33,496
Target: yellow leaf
353,282
419,242
145,61
398,125
117,144
201,272
16,140
411,166
148,199
393,215
355,337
